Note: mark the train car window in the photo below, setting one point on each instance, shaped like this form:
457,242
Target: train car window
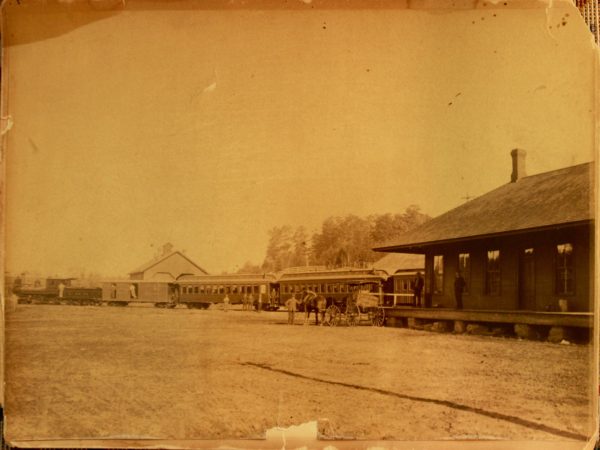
227,289
221,290
255,289
195,289
234,290
189,289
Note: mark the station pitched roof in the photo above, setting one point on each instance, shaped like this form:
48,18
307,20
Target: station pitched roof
557,198
161,258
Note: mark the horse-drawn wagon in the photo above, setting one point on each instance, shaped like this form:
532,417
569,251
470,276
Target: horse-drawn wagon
357,307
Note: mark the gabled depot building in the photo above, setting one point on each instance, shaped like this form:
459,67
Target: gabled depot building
525,246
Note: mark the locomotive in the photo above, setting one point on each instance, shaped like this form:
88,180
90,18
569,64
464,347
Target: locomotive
57,291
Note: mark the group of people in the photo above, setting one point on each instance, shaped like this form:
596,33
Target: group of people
247,302
459,287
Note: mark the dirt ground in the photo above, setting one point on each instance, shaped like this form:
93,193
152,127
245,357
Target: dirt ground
102,372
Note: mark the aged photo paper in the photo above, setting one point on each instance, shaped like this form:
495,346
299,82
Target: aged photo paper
299,223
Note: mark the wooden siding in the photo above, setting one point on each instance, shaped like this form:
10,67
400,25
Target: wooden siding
544,245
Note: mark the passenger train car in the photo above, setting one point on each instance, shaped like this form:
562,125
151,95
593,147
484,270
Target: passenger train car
333,284
203,290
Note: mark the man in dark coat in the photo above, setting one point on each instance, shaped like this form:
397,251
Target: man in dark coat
418,288
459,287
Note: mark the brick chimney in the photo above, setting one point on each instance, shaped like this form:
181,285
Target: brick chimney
518,164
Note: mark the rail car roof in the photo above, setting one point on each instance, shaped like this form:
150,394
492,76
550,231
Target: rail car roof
393,263
342,275
233,278
138,281
559,198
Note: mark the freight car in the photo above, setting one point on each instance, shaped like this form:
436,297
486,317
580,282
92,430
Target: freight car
161,294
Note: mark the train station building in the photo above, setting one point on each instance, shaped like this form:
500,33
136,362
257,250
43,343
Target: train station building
168,266
526,246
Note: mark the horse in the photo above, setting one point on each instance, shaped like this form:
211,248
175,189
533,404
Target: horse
318,304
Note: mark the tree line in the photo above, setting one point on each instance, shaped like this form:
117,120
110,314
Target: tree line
341,241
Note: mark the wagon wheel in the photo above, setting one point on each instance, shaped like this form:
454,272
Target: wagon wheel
332,316
379,318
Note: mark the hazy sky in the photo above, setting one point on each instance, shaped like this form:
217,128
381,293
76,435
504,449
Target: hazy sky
206,128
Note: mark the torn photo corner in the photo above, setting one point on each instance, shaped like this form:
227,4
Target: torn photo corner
303,223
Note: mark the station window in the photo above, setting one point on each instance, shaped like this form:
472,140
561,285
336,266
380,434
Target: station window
464,267
438,274
492,273
565,281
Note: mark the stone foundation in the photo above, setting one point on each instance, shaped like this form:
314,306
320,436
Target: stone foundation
478,329
442,326
460,327
525,331
558,334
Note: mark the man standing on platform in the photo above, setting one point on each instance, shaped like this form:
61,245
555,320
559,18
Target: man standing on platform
418,289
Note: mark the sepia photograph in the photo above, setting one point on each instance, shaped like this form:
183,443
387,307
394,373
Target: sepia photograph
300,223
